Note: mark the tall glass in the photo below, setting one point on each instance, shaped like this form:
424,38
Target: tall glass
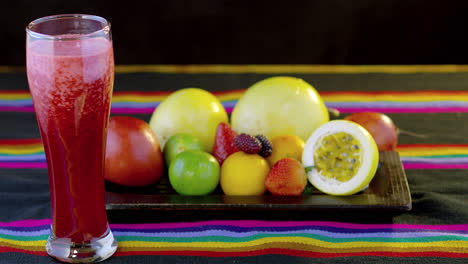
70,68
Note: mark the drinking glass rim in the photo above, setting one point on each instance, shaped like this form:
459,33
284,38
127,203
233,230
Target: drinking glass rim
105,28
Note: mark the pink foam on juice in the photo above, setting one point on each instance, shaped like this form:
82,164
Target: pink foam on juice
71,84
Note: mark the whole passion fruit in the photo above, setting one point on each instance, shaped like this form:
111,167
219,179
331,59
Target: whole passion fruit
191,111
279,106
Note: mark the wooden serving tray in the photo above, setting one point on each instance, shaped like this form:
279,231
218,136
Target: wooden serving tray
388,190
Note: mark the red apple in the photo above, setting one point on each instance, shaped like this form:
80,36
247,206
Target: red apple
133,155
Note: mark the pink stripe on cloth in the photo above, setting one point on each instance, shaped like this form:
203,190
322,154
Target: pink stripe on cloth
258,223
30,109
229,109
26,223
23,165
113,110
405,110
132,110
16,109
429,166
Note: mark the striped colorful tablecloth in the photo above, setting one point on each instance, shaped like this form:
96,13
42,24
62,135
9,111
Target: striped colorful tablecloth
431,102
251,238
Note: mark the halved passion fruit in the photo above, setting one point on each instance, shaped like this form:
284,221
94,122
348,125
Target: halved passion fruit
340,157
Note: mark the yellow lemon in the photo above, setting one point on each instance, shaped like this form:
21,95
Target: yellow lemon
340,157
286,146
244,174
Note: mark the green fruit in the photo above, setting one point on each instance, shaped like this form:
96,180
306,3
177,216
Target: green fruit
179,143
194,172
279,106
191,110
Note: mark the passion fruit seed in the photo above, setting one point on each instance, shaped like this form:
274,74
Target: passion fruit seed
338,156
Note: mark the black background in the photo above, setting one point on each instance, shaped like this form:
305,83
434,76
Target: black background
262,32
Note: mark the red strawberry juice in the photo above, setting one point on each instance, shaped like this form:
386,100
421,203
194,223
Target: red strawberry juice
71,84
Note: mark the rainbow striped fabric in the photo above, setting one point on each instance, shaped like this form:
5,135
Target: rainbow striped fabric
230,238
225,238
29,153
345,102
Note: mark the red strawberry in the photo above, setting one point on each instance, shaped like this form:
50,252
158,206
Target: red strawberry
286,177
224,142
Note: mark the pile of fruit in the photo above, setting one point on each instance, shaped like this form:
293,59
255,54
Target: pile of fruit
279,139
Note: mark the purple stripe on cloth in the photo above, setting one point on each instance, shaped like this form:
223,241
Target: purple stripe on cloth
35,157
26,233
227,233
229,104
26,102
232,103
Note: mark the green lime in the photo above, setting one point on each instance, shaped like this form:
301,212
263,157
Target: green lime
194,172
179,143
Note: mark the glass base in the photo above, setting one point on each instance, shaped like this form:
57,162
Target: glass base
97,250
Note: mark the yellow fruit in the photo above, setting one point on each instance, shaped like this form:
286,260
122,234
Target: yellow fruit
192,111
278,106
286,146
244,174
341,158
